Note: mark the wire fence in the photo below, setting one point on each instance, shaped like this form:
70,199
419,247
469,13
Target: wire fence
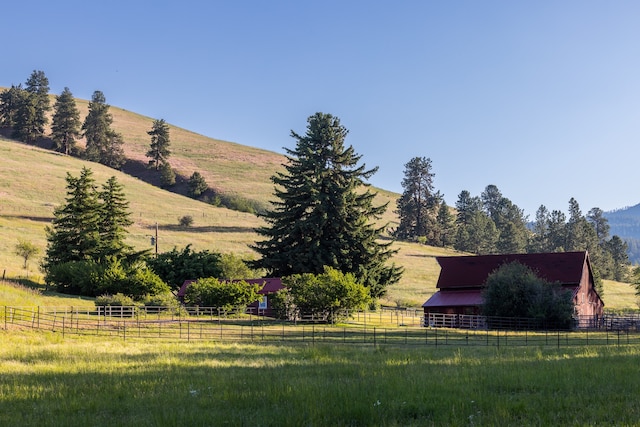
361,328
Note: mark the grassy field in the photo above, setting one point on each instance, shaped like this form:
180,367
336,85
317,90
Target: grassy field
47,381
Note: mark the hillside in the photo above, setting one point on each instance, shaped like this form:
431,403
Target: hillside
626,224
32,183
27,200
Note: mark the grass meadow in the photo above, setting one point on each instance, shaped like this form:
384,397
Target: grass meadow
85,381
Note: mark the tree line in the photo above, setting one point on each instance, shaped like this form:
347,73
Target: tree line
492,224
25,112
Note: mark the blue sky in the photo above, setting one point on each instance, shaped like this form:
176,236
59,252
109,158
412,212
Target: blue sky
541,99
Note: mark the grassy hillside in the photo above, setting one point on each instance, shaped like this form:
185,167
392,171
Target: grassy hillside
32,183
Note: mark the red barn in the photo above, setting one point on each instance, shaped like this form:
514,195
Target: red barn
462,279
270,285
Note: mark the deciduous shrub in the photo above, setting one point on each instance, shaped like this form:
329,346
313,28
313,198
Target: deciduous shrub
324,296
226,295
514,290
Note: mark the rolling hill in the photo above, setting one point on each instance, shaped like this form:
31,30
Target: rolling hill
32,183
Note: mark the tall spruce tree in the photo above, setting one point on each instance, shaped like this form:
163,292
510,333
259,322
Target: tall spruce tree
65,128
419,203
74,234
324,211
159,150
115,218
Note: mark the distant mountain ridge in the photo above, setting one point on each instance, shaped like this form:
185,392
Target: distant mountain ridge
625,223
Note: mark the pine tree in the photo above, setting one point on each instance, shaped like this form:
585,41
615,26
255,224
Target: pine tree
9,103
418,205
323,212
159,149
446,226
115,218
37,85
75,231
113,155
65,128
96,127
25,124
196,185
167,175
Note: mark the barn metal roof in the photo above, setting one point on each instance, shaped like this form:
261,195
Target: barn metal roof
472,271
455,298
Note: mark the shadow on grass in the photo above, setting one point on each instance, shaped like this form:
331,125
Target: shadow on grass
205,229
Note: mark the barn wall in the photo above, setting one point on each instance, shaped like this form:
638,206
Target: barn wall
586,301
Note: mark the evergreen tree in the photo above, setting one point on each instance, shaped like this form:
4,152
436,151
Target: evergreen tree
539,241
113,155
492,202
167,176
97,127
446,227
196,185
469,212
599,223
115,218
9,102
75,231
37,85
512,226
159,150
618,249
25,124
65,128
323,212
418,205
557,232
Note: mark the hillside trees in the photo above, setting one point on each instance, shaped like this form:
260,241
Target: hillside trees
25,109
419,203
104,145
323,212
65,127
159,149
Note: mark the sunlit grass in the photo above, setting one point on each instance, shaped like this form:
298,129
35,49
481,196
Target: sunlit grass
86,381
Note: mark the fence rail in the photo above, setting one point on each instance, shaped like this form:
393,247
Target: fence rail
362,328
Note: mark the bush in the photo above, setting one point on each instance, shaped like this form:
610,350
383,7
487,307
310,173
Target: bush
324,296
226,295
117,300
186,221
514,290
110,277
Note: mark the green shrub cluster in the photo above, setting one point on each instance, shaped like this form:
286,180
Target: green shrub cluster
324,296
226,295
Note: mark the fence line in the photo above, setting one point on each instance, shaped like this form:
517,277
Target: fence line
205,326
